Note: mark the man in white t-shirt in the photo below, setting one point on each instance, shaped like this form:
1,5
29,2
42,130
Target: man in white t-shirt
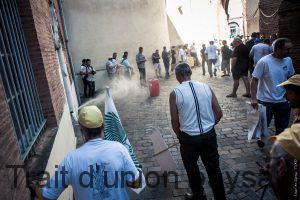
212,53
260,50
193,51
270,71
182,57
99,169
88,72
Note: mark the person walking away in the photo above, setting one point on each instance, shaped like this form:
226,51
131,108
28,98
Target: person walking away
173,55
271,70
166,59
212,56
194,54
283,169
194,112
249,45
90,78
260,50
203,58
84,75
239,67
156,63
226,55
111,68
182,57
93,159
140,60
128,70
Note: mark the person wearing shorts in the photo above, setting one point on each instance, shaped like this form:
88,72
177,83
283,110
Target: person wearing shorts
240,67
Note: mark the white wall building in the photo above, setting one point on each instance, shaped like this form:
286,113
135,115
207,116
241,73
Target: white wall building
97,28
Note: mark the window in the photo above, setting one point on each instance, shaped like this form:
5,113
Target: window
18,79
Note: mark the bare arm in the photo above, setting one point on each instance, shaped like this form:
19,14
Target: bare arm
174,113
216,108
253,90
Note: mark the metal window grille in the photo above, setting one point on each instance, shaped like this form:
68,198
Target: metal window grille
18,79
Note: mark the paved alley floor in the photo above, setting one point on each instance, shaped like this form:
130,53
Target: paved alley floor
141,114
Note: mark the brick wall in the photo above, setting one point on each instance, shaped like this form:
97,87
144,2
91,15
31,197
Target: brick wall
9,155
289,23
36,21
269,25
63,39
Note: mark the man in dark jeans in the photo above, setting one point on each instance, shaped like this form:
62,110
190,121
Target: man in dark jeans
83,73
90,78
140,60
165,55
269,71
203,58
197,137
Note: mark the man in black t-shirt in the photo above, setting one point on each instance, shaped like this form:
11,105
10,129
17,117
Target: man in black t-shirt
239,67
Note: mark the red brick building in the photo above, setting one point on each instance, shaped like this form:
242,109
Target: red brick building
37,91
280,17
283,18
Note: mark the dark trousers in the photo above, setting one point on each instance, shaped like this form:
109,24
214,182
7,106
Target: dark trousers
142,76
203,65
167,68
91,86
206,147
210,62
85,86
280,111
196,60
251,65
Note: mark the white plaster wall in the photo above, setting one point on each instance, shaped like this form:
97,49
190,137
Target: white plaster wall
65,141
200,21
97,28
175,38
252,20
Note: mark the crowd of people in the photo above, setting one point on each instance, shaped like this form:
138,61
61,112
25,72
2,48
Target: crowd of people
267,71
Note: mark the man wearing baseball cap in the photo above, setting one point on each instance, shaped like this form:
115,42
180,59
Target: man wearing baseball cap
284,166
99,169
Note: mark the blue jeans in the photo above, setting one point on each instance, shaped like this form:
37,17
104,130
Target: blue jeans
91,86
281,112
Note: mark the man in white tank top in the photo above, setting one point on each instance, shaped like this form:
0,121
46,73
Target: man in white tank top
194,112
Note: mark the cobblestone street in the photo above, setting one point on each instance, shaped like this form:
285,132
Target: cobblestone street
141,114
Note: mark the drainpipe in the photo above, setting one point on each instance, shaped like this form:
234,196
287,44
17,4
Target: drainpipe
61,13
65,77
